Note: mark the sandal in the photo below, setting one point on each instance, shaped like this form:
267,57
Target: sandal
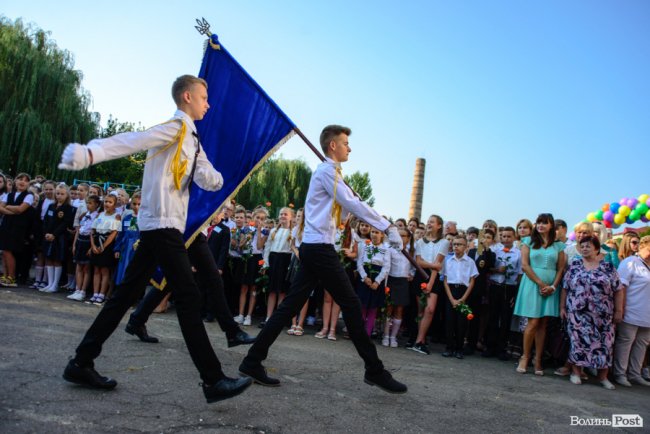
520,369
331,337
292,330
298,331
321,334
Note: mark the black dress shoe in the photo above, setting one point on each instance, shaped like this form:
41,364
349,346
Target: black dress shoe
241,338
226,388
209,318
447,354
459,355
141,333
258,375
385,382
87,376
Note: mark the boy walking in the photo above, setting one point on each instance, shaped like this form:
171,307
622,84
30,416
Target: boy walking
165,196
326,197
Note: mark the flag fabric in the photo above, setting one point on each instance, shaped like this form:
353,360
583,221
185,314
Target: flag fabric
240,131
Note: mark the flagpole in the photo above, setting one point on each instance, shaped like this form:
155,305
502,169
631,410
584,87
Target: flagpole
320,156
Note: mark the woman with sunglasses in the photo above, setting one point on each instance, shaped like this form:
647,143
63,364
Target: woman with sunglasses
629,245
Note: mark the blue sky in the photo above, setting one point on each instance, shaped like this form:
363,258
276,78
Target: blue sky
518,107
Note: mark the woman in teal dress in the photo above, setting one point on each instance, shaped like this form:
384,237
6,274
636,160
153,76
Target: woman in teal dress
542,261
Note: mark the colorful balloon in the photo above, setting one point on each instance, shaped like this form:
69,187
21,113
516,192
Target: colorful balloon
619,219
624,210
608,216
647,215
614,207
599,214
607,224
591,217
606,207
643,198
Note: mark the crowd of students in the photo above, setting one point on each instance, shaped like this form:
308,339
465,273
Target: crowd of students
497,290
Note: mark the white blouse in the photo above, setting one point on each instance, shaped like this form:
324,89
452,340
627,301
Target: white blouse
105,224
381,258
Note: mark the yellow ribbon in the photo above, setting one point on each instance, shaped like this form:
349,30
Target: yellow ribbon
176,167
336,207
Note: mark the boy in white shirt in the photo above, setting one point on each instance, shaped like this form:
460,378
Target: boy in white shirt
327,196
459,271
162,218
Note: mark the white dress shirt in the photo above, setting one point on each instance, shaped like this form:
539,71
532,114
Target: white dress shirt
459,270
163,205
430,250
320,226
381,258
512,261
399,265
279,244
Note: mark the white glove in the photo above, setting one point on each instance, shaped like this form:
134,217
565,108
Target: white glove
74,157
394,238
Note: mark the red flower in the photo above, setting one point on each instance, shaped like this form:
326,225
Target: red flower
268,203
260,262
506,249
423,286
251,224
368,242
387,290
470,316
341,227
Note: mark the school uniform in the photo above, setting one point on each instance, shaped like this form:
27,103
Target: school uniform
103,226
14,227
252,266
277,253
82,245
319,261
58,219
502,292
458,273
162,219
398,278
478,300
293,265
376,267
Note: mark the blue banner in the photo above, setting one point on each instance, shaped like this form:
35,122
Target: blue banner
242,128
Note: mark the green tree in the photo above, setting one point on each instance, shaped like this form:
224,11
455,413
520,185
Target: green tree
360,182
123,170
42,104
279,181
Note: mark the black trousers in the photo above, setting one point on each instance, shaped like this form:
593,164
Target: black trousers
456,322
501,307
211,283
164,248
318,262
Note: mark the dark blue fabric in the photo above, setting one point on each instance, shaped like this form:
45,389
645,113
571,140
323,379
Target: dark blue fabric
241,127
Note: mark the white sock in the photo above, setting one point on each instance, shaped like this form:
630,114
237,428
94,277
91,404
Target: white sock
38,275
396,324
71,281
50,275
387,326
57,276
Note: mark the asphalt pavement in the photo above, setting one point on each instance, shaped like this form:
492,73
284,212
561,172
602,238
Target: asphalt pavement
322,385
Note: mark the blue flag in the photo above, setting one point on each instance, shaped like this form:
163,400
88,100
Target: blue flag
242,129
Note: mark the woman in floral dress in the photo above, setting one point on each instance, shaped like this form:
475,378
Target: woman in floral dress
592,302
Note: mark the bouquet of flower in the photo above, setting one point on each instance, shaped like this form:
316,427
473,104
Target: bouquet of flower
371,251
246,244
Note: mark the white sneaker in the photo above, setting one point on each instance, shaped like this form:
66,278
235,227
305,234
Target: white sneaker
239,319
77,296
51,290
72,295
393,342
385,341
247,320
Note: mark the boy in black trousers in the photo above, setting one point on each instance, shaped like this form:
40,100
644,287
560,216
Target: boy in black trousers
327,196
